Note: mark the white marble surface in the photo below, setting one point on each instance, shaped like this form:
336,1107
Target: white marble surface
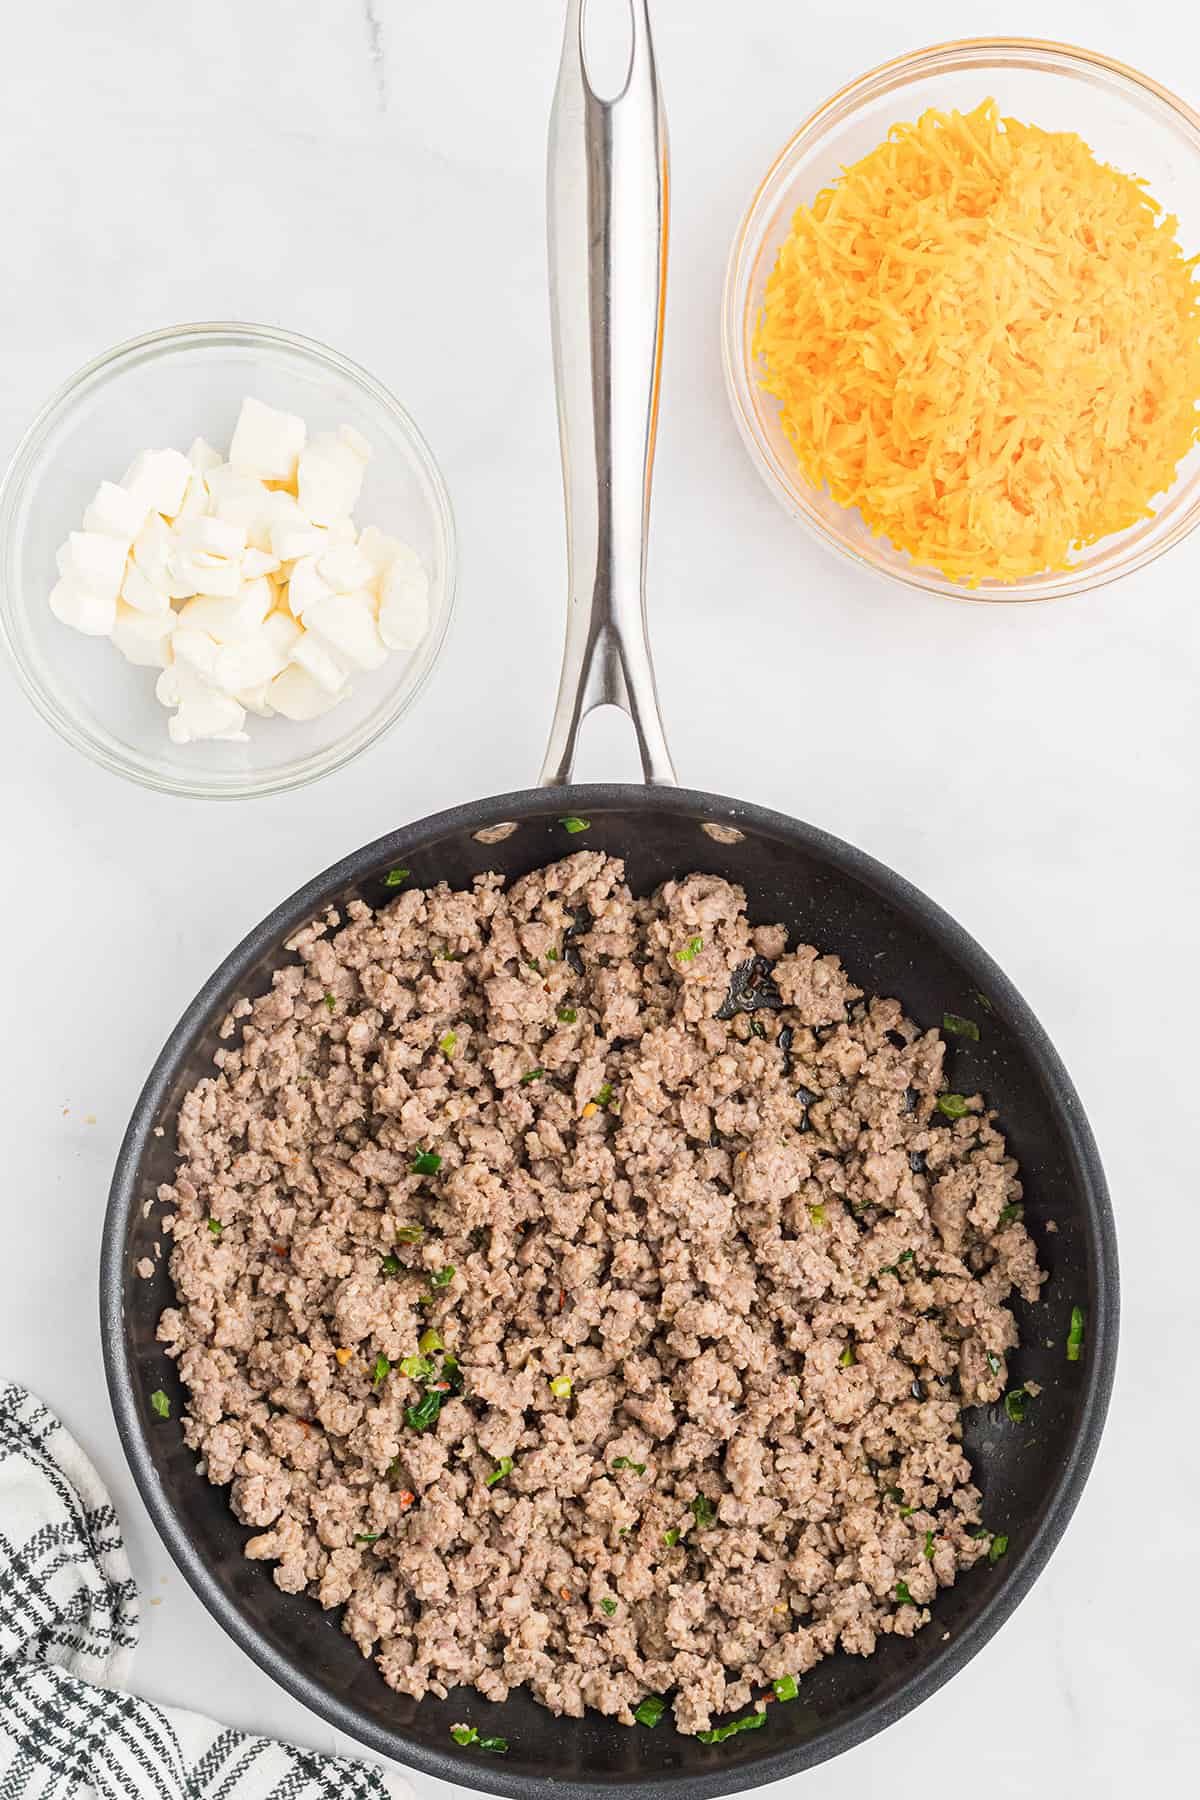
371,174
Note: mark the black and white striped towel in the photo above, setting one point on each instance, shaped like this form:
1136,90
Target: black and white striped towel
68,1631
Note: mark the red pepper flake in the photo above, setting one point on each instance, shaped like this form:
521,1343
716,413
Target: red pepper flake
562,1298
565,1592
279,1249
407,1497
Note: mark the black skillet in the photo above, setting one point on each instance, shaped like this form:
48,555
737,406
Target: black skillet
608,217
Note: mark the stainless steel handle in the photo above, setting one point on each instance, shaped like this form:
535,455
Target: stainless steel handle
608,204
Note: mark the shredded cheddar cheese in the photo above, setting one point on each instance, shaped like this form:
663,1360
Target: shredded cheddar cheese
986,341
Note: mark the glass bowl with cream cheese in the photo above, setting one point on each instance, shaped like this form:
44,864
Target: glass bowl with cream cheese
146,676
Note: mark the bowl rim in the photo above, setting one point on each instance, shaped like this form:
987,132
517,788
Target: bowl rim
738,374
1103,1327
146,347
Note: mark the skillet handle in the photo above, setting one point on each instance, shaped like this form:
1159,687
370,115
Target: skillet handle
608,211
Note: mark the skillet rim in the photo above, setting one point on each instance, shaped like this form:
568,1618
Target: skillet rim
1103,1327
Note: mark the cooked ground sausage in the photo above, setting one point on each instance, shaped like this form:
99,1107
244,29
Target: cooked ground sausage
568,1334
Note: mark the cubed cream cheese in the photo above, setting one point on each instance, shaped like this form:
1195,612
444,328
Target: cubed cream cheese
317,660
93,614
115,512
346,624
143,638
345,568
95,561
404,601
297,696
140,593
158,480
244,581
329,478
267,442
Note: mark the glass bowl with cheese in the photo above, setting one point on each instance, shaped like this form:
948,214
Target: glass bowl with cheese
962,347
153,522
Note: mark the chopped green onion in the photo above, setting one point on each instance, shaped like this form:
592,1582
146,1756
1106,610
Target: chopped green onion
444,1277
430,1340
1014,1405
750,1722
691,950
903,1597
417,1368
928,1550
467,1734
533,1075
330,1002
426,1412
609,1607
650,1710
390,1265
604,1095
396,877
818,1215
983,1001
786,1687
447,1042
1014,1211
425,1162
957,1026
574,825
410,1234
908,1256
623,1462
567,1015
993,1362
893,1494
1075,1335
703,1511
560,1387
214,1225
368,1537
999,1547
382,1368
160,1403
758,1029
503,1467
552,956
671,1538
847,1357
906,1512
952,1106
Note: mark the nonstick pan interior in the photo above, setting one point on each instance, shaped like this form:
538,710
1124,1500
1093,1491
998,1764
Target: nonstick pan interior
894,941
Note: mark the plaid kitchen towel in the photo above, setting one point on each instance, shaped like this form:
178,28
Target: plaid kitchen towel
68,1631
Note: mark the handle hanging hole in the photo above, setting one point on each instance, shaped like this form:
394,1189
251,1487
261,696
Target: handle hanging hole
607,33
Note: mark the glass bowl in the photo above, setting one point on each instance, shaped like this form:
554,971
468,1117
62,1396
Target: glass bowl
165,389
1127,119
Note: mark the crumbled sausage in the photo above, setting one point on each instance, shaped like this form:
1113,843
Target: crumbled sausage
762,1272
